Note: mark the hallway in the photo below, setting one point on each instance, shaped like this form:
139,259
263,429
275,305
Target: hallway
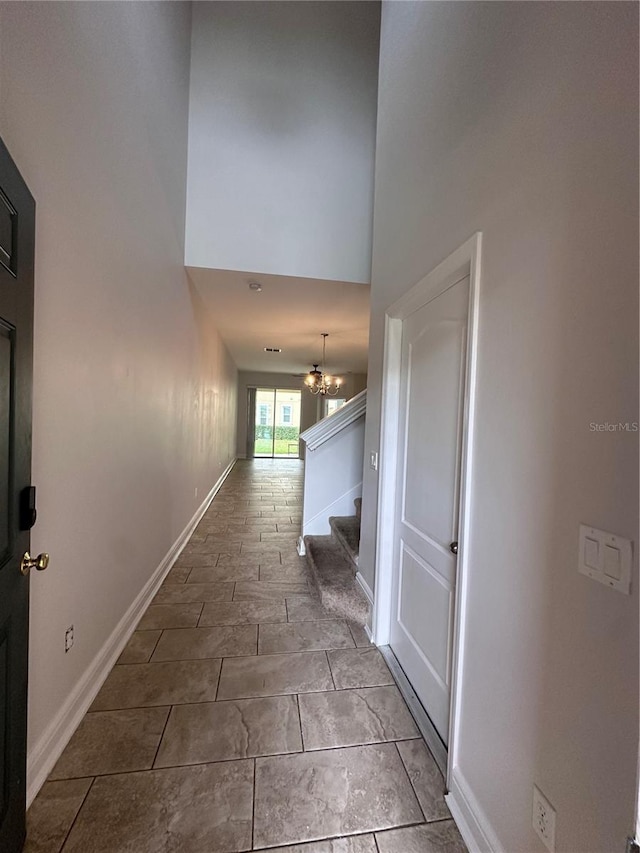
242,716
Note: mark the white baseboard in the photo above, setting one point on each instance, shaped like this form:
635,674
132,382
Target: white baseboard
471,820
365,587
48,749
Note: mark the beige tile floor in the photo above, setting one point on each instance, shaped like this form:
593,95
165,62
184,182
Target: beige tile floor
242,716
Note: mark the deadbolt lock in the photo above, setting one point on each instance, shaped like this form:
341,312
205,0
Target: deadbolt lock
28,562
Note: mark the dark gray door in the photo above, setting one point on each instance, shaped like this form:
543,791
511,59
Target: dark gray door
17,231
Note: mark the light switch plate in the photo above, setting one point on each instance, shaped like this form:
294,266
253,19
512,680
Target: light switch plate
373,461
605,557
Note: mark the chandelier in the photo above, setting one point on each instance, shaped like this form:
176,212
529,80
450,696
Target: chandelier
317,381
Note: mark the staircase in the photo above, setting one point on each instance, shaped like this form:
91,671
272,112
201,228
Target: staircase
333,561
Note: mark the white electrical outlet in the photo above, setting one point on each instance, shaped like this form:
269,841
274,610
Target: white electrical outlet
544,820
68,639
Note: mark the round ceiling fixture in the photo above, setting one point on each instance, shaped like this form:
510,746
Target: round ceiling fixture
255,286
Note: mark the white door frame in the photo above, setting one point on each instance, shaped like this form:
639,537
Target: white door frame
465,261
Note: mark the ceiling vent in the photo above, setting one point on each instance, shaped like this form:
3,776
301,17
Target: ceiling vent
272,349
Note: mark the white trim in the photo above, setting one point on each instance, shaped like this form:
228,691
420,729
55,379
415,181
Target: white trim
465,261
332,424
388,461
300,548
475,829
466,478
365,587
44,754
427,729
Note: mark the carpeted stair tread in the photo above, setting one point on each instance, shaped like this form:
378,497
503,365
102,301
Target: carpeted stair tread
346,530
358,505
334,578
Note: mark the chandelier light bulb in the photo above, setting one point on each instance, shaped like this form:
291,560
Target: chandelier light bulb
320,383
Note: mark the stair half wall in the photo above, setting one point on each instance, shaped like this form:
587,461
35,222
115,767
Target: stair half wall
333,467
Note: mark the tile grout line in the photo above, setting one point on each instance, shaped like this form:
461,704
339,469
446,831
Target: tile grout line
153,651
300,721
333,681
253,806
259,696
352,635
73,822
330,838
413,787
231,759
164,729
215,697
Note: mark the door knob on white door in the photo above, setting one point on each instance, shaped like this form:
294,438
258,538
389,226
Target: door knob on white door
453,547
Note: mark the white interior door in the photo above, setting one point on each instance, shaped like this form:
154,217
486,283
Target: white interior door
431,418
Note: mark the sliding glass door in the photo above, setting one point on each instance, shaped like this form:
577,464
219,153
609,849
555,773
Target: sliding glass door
277,423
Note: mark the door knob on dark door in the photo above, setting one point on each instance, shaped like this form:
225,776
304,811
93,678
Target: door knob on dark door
28,562
453,547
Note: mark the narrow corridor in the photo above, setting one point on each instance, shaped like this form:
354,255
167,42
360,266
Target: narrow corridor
242,716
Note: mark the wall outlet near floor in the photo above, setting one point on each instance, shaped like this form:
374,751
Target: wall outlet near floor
544,819
68,639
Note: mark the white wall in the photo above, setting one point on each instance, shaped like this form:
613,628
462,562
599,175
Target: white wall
332,478
134,393
520,120
281,138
